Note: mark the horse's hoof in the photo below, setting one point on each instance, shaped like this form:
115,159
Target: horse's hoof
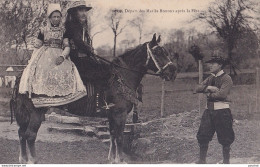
112,162
22,160
123,162
32,162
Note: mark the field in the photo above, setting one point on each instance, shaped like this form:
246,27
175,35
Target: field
179,98
172,139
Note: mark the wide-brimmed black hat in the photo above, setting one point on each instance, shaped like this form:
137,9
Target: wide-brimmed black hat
80,3
217,59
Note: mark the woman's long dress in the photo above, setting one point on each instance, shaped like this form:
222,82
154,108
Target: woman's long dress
49,84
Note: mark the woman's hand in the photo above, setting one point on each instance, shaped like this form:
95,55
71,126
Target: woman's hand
59,60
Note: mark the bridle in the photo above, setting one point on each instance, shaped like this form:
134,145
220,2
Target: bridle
150,55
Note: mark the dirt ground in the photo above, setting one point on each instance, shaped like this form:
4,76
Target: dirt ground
171,139
53,148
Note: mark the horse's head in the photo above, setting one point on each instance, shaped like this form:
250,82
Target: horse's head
158,60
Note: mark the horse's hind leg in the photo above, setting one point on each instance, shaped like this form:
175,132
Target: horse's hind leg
31,132
22,116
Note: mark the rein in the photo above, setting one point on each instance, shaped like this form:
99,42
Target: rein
109,62
149,56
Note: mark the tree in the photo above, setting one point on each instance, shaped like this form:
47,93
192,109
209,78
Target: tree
92,35
19,20
138,22
194,50
96,23
246,49
105,51
230,19
177,46
115,18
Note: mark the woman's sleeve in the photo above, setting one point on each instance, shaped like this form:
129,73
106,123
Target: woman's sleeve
38,42
66,46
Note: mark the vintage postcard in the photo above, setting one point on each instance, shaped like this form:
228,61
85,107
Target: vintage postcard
129,82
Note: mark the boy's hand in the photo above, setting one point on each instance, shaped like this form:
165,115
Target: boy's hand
212,89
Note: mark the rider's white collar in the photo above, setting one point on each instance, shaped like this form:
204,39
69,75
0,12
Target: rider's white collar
218,74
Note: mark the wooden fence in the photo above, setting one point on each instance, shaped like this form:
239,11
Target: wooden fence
188,75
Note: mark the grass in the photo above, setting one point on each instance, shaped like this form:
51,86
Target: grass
179,97
5,95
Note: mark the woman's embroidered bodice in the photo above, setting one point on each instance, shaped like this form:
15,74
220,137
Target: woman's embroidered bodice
52,36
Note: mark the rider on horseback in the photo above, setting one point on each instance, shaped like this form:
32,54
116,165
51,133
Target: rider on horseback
93,74
51,79
81,50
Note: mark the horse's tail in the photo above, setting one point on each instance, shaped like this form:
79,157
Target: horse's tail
12,106
14,97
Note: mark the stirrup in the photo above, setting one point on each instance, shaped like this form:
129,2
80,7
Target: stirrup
108,106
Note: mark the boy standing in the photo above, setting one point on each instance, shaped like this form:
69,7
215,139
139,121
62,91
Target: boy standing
217,117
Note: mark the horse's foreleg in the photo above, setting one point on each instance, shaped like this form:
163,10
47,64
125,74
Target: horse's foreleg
31,133
116,124
119,148
23,154
112,149
119,145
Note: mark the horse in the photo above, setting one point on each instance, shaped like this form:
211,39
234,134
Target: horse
126,72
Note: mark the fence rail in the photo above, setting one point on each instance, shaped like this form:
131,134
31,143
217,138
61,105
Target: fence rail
6,65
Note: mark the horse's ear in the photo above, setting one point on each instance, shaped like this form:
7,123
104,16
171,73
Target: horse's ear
159,39
153,41
154,38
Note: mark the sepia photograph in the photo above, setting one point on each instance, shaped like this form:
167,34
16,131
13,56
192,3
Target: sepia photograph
129,82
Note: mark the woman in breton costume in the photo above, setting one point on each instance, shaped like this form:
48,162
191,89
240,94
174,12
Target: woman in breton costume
51,78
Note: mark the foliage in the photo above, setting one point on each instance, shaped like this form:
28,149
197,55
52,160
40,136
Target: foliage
104,51
19,20
114,18
138,22
230,19
194,50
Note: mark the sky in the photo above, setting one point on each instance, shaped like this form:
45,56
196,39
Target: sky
177,17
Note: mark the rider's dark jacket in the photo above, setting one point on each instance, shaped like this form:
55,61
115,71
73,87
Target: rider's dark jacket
81,50
79,40
82,53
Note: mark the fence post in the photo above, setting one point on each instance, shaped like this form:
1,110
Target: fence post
200,80
257,89
162,98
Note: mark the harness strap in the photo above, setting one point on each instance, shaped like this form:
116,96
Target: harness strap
109,62
150,55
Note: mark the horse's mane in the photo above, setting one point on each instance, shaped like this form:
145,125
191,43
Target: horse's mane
132,56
